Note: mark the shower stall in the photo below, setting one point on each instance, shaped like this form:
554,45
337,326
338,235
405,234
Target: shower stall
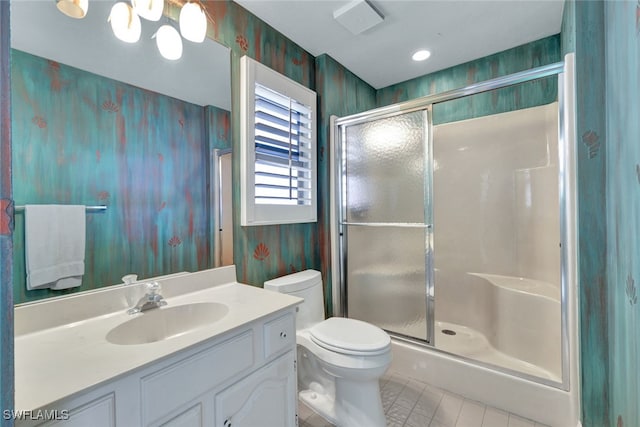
453,230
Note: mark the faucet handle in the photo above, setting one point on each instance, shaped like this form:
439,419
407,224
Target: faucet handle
153,288
129,279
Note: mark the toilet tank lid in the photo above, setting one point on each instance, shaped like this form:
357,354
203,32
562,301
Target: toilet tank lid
294,282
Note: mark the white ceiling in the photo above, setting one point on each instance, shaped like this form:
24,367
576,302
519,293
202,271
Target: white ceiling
454,31
202,76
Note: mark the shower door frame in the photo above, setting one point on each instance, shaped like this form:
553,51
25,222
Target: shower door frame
427,224
567,202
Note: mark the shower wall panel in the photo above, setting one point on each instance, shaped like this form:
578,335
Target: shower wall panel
487,173
496,230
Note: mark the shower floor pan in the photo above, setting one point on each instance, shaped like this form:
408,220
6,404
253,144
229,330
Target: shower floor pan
472,344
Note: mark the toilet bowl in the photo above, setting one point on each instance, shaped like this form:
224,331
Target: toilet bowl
340,360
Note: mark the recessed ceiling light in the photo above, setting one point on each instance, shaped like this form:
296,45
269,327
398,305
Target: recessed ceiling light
421,55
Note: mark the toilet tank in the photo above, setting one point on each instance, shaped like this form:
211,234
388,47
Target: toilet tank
305,284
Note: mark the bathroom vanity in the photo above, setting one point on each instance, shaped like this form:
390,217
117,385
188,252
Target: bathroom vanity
219,353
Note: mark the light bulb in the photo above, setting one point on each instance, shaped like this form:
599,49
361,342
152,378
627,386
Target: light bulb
125,23
148,9
421,55
169,42
73,8
193,22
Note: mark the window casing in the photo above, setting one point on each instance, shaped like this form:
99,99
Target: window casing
278,148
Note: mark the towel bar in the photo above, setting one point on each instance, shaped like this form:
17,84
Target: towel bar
89,209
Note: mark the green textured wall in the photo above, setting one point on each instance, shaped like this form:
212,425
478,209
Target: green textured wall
340,93
622,71
217,127
592,252
530,55
568,28
85,139
6,245
263,252
606,39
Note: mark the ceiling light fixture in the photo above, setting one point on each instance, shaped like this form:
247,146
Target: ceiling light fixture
73,8
125,23
169,42
421,55
193,22
148,9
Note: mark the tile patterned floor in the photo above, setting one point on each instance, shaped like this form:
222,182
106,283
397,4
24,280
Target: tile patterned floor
410,403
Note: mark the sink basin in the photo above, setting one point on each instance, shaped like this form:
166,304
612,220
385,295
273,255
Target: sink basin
166,322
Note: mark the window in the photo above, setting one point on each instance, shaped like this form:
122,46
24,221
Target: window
278,147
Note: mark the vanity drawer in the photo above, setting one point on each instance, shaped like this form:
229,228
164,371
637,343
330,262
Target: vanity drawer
279,334
167,389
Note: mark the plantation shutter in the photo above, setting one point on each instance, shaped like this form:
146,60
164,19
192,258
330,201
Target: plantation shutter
283,161
278,179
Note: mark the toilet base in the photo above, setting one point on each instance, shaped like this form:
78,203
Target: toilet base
359,403
320,403
344,389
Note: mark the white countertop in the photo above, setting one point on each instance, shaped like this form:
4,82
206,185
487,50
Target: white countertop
55,362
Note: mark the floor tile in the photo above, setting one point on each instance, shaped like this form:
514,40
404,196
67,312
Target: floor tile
390,393
427,403
495,418
471,414
392,384
393,422
408,397
436,423
411,403
384,379
398,412
448,410
516,421
416,419
304,411
396,377
387,375
433,389
415,385
316,421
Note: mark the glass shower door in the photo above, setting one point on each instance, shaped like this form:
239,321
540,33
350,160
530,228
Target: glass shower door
385,222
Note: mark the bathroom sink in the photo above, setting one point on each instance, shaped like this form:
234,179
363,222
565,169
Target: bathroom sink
167,322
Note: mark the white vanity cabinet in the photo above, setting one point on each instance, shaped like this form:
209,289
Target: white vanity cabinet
245,377
262,398
98,412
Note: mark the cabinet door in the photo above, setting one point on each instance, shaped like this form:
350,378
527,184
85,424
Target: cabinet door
97,413
166,390
266,398
192,417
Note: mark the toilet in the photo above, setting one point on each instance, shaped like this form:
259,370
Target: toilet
340,360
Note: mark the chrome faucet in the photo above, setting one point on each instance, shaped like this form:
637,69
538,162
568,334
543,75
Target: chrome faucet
152,299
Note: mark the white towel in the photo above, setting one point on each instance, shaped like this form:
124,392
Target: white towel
54,245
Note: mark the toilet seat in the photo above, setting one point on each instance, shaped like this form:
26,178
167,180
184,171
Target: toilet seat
350,336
